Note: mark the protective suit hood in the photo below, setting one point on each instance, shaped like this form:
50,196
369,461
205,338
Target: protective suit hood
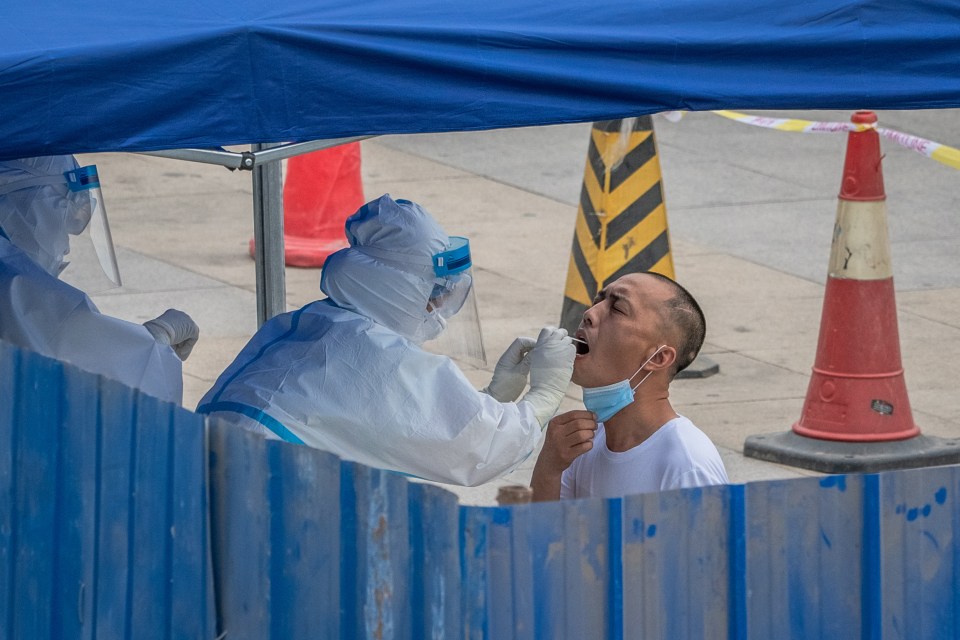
387,272
37,219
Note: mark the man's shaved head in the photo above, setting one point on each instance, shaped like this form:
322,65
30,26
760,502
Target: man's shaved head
682,316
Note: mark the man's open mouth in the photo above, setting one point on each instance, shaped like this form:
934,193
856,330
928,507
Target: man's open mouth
582,347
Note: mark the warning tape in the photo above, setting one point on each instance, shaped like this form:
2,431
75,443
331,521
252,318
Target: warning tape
933,150
942,153
790,124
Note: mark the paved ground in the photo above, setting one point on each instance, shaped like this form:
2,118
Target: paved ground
751,216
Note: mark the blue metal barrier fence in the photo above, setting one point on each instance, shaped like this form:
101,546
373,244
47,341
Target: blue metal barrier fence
103,501
124,517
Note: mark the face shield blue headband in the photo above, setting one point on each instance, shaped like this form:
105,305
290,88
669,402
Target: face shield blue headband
453,305
452,269
608,400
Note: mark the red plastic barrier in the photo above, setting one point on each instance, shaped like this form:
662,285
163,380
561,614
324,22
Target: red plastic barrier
320,191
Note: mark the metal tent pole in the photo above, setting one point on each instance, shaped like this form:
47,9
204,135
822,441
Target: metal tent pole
268,238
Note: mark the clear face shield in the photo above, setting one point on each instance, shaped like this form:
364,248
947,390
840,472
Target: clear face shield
92,263
454,300
60,221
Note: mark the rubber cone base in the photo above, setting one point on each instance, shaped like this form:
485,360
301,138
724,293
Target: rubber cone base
831,456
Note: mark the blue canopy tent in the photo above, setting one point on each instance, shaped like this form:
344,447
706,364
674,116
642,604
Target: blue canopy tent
126,75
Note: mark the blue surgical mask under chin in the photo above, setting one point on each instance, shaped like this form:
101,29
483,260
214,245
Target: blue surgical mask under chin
608,400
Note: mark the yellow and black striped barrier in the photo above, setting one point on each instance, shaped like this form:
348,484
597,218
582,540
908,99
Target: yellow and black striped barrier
621,220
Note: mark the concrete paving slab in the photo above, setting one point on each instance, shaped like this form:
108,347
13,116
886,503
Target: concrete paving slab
220,312
941,305
205,234
742,379
729,423
926,264
944,426
720,277
511,230
683,249
797,358
741,470
380,162
760,325
197,217
142,273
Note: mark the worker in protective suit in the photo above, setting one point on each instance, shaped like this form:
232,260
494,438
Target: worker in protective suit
348,374
54,238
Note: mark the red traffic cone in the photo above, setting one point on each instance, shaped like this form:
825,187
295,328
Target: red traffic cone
856,416
857,391
320,191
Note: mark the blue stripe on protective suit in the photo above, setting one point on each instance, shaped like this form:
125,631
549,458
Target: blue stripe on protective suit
265,419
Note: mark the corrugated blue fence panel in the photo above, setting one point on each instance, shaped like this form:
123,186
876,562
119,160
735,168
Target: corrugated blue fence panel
239,513
676,571
102,508
587,553
192,607
537,571
376,565
804,550
307,544
304,541
275,518
435,563
77,497
114,546
919,521
541,541
9,370
34,528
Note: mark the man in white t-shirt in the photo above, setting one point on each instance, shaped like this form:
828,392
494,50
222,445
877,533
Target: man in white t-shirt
640,332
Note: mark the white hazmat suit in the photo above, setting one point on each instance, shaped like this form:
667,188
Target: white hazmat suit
46,315
347,374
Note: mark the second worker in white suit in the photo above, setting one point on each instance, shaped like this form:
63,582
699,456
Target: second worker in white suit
347,374
55,246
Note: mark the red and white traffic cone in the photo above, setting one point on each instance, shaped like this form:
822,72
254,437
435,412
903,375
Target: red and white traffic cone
320,191
857,391
856,416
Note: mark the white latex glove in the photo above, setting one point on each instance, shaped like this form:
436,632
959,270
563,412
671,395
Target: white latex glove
510,374
551,367
174,328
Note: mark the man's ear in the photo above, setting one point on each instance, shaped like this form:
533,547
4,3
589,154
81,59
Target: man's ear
664,359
